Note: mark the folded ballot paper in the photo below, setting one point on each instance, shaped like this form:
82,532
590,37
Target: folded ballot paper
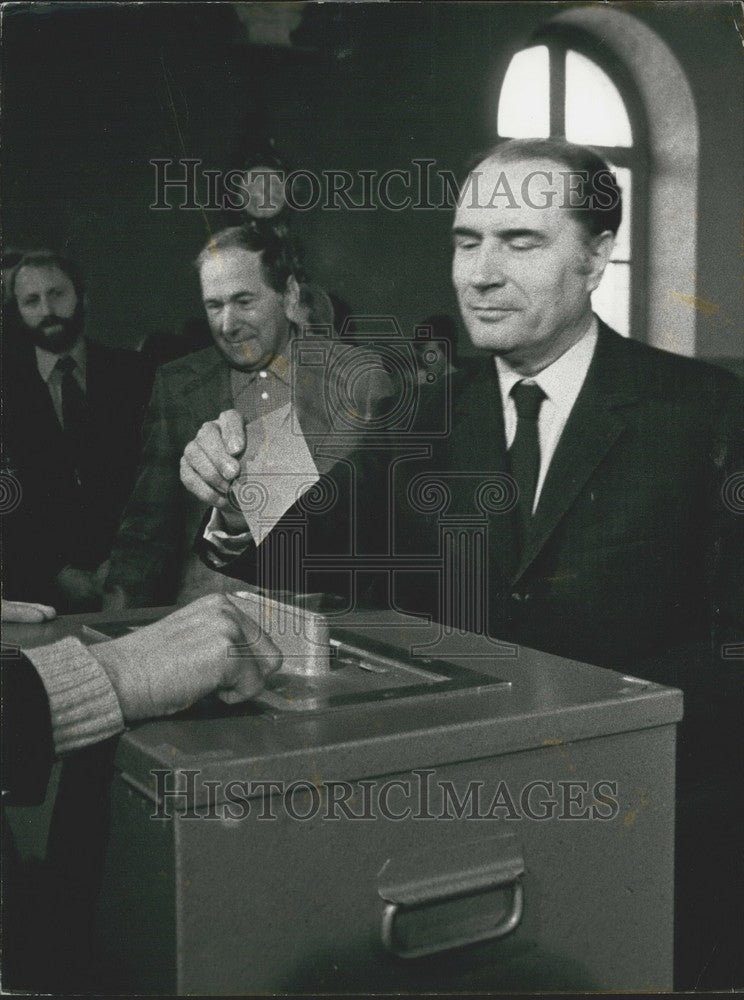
275,471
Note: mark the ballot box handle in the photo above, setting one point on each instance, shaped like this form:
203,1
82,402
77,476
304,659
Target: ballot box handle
483,868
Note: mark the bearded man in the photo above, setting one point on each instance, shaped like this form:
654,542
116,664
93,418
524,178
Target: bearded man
71,420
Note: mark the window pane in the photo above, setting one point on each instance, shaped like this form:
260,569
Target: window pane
622,241
611,300
524,108
595,112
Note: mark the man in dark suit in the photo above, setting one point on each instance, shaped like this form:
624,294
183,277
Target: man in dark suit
72,414
256,300
609,536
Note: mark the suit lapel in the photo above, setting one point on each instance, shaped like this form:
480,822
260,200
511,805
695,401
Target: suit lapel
477,442
595,424
104,380
478,445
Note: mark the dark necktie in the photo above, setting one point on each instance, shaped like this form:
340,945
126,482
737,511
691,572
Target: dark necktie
524,453
74,408
74,416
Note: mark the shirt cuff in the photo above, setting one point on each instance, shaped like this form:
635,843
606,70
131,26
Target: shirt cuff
224,546
82,701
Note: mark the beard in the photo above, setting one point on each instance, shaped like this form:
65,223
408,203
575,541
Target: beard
55,333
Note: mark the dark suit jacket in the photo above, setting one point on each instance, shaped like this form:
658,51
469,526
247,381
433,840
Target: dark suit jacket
27,745
636,544
27,755
60,520
163,522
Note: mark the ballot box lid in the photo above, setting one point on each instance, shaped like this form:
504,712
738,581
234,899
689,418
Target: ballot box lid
542,701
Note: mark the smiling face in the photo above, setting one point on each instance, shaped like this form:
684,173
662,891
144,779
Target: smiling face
524,273
249,320
48,306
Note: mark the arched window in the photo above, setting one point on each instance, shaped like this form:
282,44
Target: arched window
555,87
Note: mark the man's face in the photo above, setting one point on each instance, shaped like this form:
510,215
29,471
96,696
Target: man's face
523,273
49,307
248,319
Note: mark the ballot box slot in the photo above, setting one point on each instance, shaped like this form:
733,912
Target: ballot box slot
372,671
372,659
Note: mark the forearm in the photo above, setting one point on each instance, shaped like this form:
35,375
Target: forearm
83,703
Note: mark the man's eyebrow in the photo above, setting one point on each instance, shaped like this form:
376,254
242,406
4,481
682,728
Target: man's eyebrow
50,288
512,234
504,234
245,294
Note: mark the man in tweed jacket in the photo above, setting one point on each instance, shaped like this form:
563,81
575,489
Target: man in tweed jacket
251,283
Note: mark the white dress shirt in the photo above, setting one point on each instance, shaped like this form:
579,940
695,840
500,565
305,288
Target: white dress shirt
46,362
561,382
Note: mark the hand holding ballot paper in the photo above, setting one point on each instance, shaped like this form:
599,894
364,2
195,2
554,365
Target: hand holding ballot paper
251,473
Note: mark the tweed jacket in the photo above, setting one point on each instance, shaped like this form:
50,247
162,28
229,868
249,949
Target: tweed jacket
163,523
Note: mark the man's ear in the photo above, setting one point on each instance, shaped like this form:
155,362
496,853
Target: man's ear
291,301
599,250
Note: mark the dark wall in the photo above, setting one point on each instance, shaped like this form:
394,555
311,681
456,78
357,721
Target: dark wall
92,93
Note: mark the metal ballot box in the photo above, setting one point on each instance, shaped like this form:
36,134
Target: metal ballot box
480,818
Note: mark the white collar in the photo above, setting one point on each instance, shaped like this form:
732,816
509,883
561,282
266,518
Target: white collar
561,380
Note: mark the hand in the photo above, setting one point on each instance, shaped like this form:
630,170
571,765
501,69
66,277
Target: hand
165,667
102,573
209,463
115,599
80,589
22,611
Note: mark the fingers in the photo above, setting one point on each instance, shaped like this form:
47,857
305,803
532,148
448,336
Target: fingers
201,478
210,442
208,466
103,571
249,685
266,653
26,613
253,659
231,426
